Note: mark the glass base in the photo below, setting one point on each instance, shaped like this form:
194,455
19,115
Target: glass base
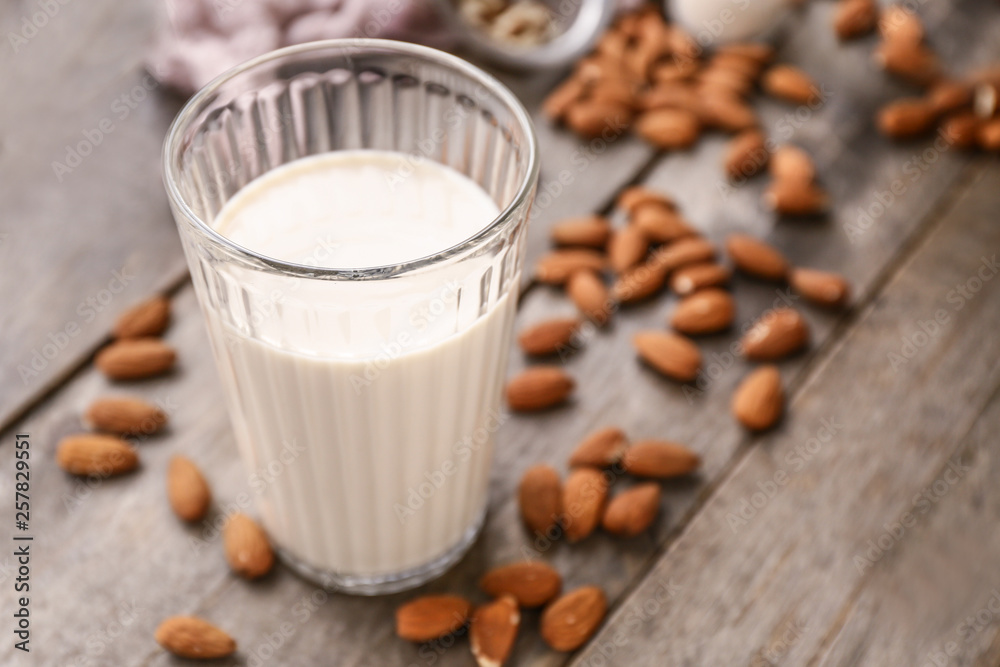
383,584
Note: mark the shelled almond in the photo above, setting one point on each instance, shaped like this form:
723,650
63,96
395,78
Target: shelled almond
660,459
532,583
600,449
671,354
777,334
591,296
135,358
759,399
194,638
248,551
633,511
125,416
572,619
187,489
432,617
549,337
540,499
584,495
756,258
493,630
94,454
538,388
707,311
148,318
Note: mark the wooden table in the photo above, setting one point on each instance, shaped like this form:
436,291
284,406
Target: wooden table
891,418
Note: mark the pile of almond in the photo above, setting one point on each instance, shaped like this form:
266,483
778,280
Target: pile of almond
138,352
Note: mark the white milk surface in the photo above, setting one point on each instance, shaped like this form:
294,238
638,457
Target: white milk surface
382,464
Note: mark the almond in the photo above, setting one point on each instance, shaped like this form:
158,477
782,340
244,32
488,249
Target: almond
660,223
791,163
540,498
759,400
135,358
681,253
759,52
600,449
854,18
638,283
746,155
187,489
556,267
673,355
689,279
247,548
594,118
432,617
706,311
907,118
790,84
92,454
584,495
634,197
776,334
562,98
591,231
194,638
538,388
627,247
671,95
726,112
820,287
949,96
149,318
725,81
791,198
756,258
125,416
660,459
633,511
961,129
901,24
532,583
988,135
549,337
493,631
571,620
614,91
669,129
912,62
591,296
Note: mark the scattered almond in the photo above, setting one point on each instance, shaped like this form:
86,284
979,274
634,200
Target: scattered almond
194,638
728,113
247,548
591,231
557,266
689,279
584,495
907,118
947,96
634,197
759,400
659,458
791,163
660,224
493,631
669,129
778,333
790,84
673,355
590,295
562,98
638,283
540,498
988,135
961,128
854,18
633,511
681,253
135,358
149,318
93,454
706,311
756,258
900,24
594,118
571,620
125,416
548,337
432,617
746,155
791,198
532,583
626,248
912,62
600,449
187,489
820,287
538,388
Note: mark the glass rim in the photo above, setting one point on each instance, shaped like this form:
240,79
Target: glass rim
173,149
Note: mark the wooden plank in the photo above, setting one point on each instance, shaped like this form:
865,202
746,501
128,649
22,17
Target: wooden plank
865,435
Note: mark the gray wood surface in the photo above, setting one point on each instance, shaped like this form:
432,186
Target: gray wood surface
114,561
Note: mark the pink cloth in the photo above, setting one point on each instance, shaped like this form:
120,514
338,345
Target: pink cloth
204,38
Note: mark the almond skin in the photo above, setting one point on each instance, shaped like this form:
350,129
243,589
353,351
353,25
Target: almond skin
600,449
493,631
556,267
248,550
669,129
777,334
135,358
746,155
540,498
681,253
671,354
988,135
538,388
431,617
899,24
820,287
660,224
854,18
594,118
728,113
756,258
791,198
791,163
187,490
584,495
532,583
627,247
690,279
912,62
660,459
790,84
633,511
591,231
950,96
759,400
590,295
907,118
706,311
194,638
149,318
125,416
548,337
638,283
961,128
93,454
571,620
632,198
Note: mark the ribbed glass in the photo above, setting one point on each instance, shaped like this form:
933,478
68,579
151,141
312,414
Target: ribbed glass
338,510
